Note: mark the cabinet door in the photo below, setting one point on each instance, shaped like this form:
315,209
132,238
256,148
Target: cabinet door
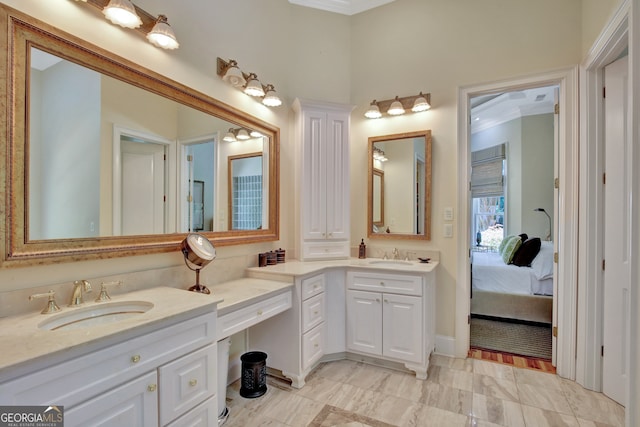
314,164
402,327
134,404
337,176
364,319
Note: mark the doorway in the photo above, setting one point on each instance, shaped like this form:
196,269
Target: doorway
565,270
513,136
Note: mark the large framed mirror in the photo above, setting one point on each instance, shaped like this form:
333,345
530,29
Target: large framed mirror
399,201
105,158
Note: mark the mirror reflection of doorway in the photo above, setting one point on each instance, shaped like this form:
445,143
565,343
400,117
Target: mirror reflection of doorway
245,191
140,182
513,139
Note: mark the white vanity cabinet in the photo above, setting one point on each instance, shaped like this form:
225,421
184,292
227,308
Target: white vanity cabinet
323,179
390,316
295,339
151,378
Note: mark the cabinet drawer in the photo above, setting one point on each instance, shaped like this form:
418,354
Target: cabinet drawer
325,250
312,312
186,382
241,319
79,379
312,346
389,283
312,286
203,415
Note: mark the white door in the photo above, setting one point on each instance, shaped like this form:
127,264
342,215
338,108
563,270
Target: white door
617,245
143,175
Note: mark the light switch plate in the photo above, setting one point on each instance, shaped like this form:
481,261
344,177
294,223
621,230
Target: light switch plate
448,214
448,230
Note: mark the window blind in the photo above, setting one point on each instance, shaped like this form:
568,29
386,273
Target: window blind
487,179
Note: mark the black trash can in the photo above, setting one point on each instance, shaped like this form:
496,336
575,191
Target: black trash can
254,374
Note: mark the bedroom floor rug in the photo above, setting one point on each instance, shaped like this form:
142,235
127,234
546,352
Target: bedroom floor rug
514,338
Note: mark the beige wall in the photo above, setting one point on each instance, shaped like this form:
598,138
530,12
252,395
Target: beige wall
397,49
595,15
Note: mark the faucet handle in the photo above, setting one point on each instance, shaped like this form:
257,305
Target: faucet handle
104,295
51,307
408,255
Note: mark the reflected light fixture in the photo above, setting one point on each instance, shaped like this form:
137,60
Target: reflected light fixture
242,135
197,251
420,104
253,86
399,106
230,136
233,75
374,111
548,238
379,155
270,98
396,108
162,35
255,134
123,13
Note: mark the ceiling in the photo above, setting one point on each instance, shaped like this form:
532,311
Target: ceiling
346,7
491,110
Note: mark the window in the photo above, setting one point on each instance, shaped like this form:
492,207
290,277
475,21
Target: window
487,193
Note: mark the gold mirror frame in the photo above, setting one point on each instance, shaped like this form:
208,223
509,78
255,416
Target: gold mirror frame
426,235
20,33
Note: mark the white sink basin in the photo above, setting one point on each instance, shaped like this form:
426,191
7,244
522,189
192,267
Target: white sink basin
390,262
98,314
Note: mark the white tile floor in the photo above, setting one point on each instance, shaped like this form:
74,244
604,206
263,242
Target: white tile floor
457,393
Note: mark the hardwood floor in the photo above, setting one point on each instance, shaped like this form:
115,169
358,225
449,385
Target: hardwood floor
512,359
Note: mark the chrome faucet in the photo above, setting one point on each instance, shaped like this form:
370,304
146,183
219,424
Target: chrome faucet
78,287
396,253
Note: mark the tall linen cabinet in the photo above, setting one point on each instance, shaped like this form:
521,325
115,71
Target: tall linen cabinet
322,179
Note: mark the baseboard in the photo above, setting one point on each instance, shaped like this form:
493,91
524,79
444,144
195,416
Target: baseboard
445,346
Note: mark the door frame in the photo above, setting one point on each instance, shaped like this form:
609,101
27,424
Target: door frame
608,47
567,195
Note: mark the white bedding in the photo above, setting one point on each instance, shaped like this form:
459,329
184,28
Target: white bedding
490,273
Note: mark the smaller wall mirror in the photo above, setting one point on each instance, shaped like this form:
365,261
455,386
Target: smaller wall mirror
399,202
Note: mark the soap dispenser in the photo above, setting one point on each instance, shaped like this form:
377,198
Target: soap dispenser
362,250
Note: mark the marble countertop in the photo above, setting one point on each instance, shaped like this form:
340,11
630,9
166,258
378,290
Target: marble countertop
243,292
24,342
289,269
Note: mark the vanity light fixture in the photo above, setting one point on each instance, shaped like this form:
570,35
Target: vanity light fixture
127,15
420,104
374,111
270,98
233,75
399,106
197,251
253,86
396,108
248,83
123,13
162,35
255,134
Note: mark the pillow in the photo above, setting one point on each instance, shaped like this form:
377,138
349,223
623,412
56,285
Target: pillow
524,237
542,264
527,252
503,244
510,248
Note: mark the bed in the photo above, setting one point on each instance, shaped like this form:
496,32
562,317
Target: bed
509,291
